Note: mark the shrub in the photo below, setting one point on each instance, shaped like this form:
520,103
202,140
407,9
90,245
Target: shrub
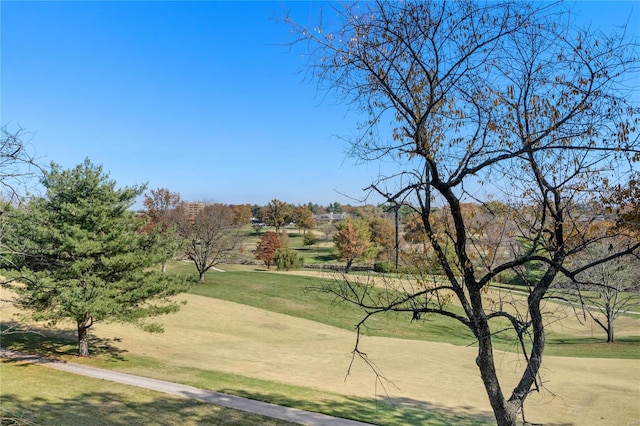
309,239
287,259
384,267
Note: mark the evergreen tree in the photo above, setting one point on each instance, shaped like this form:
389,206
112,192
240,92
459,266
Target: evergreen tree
80,255
309,239
286,259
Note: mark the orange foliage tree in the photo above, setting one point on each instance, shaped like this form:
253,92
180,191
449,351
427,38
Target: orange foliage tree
267,246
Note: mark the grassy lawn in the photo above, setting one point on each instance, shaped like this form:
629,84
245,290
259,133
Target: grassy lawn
42,396
46,400
321,252
201,347
293,295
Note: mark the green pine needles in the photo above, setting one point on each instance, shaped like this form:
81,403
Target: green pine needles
78,253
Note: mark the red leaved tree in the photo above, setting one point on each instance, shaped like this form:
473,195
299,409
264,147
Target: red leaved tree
267,246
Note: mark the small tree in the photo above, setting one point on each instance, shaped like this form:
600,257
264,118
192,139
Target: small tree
210,238
607,290
284,238
303,217
267,246
353,241
328,229
277,213
309,239
382,237
79,255
163,209
286,259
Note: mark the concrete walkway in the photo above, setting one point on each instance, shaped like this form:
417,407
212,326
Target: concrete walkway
256,407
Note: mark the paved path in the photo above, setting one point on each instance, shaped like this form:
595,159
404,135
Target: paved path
223,400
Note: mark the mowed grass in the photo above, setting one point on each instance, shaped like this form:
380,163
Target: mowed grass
36,395
297,295
174,359
300,358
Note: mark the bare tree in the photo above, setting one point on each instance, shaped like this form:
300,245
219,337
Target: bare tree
18,165
607,290
504,98
163,208
210,238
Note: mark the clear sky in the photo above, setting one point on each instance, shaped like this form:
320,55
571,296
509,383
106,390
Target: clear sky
203,98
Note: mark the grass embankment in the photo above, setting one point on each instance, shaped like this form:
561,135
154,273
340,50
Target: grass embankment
302,361
280,347
294,295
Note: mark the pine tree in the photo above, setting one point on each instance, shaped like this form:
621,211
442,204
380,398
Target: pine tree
287,259
80,255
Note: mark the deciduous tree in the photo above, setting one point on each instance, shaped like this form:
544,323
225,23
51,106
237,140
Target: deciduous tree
267,246
352,241
303,217
623,200
500,97
309,239
607,290
277,213
241,214
210,238
163,208
382,236
80,255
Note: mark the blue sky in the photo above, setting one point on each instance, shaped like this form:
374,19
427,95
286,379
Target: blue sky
203,98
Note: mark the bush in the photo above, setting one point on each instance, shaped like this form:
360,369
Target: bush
384,267
287,259
309,239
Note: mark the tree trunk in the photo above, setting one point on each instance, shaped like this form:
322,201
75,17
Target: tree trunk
610,334
164,267
83,334
347,268
201,276
504,411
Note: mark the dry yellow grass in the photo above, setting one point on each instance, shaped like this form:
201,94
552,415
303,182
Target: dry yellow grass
225,336
218,335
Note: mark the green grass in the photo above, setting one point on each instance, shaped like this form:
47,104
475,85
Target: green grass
590,347
35,392
282,293
322,252
37,395
315,255
292,295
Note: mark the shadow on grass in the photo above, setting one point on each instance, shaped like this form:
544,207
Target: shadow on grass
108,408
324,258
391,411
52,343
116,408
569,340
